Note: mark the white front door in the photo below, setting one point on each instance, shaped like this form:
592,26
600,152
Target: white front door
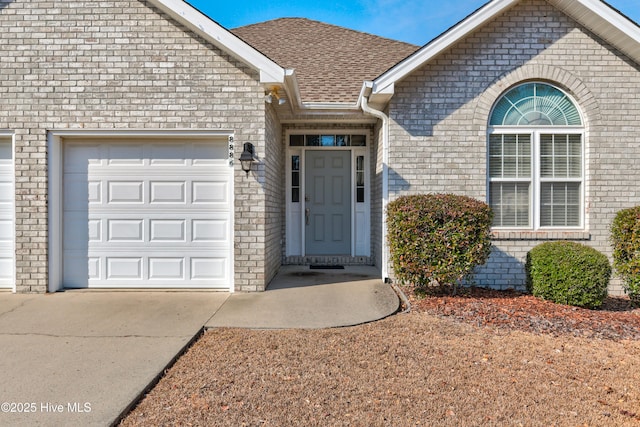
328,202
7,197
147,214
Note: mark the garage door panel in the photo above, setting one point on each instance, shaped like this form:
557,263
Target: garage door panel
208,268
125,230
210,192
166,268
125,155
81,158
209,154
164,223
210,230
167,230
168,192
124,268
125,192
7,200
6,271
168,155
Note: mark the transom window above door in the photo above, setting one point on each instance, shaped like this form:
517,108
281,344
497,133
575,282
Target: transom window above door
536,159
327,140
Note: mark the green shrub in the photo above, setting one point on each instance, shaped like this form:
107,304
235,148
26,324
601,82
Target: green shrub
625,236
568,273
437,239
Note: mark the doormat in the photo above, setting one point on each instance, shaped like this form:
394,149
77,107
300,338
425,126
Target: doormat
326,267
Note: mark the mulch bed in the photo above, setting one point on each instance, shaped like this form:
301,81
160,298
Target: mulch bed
617,319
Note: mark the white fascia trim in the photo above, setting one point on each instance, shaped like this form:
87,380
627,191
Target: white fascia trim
330,106
605,12
138,133
270,72
441,43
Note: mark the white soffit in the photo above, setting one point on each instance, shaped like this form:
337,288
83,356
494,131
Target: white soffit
605,21
595,15
270,72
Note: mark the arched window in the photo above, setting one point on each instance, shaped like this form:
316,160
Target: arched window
536,156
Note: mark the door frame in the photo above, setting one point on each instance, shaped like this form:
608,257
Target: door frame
360,212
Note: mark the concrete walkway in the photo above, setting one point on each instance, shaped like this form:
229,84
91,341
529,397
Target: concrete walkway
308,299
82,357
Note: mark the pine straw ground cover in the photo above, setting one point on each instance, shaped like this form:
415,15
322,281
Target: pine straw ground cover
481,358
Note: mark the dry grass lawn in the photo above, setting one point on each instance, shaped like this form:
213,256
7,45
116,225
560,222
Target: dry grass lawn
410,369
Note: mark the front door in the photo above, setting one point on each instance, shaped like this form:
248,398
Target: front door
328,202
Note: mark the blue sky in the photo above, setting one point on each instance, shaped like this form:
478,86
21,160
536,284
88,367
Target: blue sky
413,21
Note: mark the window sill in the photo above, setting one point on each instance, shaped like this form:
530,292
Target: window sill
540,235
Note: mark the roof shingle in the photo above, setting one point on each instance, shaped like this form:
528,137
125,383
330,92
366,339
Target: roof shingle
331,62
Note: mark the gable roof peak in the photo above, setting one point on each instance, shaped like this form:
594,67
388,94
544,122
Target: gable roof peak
596,15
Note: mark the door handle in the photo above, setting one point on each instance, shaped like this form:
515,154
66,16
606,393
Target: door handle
307,214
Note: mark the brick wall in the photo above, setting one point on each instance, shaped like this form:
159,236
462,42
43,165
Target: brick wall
119,64
274,158
439,121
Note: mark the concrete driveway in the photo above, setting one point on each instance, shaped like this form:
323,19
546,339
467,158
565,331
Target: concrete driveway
81,358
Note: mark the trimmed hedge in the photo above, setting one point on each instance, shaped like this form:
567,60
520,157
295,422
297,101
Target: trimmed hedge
437,239
625,236
568,273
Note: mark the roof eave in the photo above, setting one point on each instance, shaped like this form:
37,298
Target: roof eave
606,22
483,15
596,15
182,12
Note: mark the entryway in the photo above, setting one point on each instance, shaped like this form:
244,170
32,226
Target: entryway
328,199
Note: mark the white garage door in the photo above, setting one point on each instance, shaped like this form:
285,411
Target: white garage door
147,214
7,197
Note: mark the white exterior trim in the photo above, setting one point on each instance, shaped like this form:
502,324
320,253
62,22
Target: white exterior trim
270,72
294,217
55,143
10,135
596,15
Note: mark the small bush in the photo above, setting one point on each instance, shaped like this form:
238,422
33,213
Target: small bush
437,239
625,236
568,273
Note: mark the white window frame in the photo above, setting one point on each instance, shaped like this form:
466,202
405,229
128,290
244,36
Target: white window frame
536,179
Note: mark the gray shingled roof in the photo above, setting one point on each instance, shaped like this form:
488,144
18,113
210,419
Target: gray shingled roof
331,62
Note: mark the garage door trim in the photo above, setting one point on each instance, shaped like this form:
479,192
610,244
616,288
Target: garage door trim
8,213
56,140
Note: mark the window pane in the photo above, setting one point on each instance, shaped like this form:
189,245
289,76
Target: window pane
534,104
560,204
295,179
313,140
328,140
295,163
295,195
342,140
296,140
358,140
360,195
510,156
560,156
510,204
